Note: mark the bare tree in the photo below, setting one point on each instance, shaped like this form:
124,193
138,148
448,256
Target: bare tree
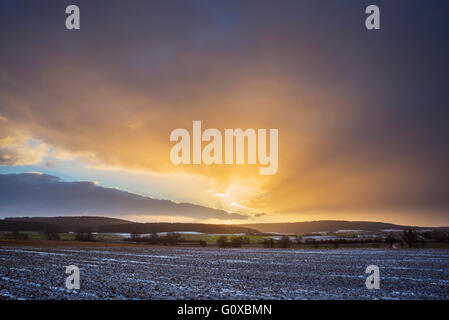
284,242
410,237
390,240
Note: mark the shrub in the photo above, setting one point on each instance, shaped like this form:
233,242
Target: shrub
84,235
135,237
390,240
16,235
52,234
172,238
222,241
236,242
284,242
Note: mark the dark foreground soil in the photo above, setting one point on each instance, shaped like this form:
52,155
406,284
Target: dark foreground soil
122,271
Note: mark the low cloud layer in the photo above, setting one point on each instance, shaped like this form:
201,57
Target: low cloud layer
32,194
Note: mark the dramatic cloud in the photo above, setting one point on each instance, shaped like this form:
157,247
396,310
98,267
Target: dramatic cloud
17,149
33,194
362,116
21,155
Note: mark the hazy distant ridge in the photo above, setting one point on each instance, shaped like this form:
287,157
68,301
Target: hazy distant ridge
329,226
112,225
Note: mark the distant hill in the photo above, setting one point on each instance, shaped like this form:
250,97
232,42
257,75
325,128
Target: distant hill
105,224
64,224
6,225
113,225
329,226
175,227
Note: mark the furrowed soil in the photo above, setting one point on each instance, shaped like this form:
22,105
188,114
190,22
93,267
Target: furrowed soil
123,271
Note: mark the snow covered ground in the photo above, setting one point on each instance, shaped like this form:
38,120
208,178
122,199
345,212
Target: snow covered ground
206,273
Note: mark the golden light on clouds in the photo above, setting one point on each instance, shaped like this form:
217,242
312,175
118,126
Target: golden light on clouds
356,140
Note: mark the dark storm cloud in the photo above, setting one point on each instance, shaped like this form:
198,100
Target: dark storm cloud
363,114
32,194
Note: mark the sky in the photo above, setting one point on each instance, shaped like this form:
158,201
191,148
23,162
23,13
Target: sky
362,115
